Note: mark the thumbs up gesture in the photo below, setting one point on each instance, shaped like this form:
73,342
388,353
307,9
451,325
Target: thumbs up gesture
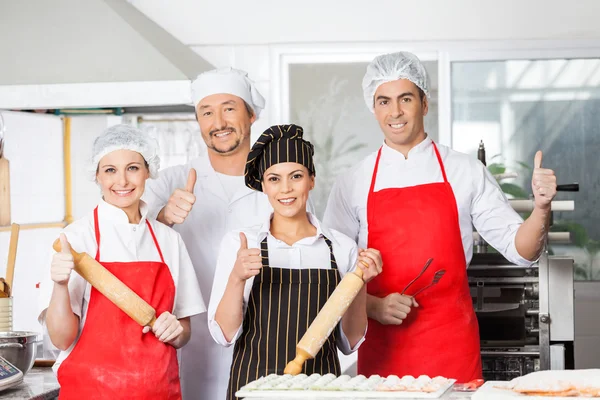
62,263
180,203
543,183
248,262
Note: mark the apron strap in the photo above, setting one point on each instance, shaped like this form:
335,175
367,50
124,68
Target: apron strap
331,256
439,158
264,252
155,241
97,230
374,177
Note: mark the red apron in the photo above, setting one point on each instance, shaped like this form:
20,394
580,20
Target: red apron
113,359
441,336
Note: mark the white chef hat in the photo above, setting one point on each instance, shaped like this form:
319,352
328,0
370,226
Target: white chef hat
391,67
125,137
231,81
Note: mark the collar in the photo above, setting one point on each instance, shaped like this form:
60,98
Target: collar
115,215
265,229
391,155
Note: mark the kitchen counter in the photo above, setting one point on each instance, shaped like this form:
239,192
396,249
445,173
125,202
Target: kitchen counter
38,384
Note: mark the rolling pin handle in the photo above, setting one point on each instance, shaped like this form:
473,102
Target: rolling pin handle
152,321
295,366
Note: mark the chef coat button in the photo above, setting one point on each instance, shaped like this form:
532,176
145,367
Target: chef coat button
229,210
134,228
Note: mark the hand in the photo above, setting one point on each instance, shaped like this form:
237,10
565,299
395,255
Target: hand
394,308
62,263
180,203
167,328
370,262
543,183
248,262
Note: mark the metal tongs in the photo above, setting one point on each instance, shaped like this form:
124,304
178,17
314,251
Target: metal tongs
436,278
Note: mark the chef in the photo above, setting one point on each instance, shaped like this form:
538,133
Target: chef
272,279
414,199
105,353
206,198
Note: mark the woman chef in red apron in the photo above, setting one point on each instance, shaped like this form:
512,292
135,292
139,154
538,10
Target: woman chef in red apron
272,280
414,200
105,353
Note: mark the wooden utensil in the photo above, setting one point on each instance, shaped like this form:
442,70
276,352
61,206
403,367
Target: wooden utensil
326,320
4,288
4,181
111,287
12,255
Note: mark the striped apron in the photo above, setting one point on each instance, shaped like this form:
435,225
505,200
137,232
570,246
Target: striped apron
282,304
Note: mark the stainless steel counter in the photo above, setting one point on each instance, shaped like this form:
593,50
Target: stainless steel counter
38,384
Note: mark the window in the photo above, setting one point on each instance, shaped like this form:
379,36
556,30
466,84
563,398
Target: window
520,106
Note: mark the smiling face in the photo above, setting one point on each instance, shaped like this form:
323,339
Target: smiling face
287,186
225,122
399,110
122,177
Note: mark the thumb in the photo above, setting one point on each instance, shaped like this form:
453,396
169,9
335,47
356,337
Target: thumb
537,161
191,181
65,247
243,241
146,329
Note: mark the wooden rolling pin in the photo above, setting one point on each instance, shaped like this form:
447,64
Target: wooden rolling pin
326,320
111,287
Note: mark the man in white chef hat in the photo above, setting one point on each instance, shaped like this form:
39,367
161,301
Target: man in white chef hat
414,200
206,198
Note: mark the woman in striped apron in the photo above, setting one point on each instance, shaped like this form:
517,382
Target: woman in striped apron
272,280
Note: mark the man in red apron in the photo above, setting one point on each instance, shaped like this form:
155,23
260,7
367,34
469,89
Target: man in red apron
414,200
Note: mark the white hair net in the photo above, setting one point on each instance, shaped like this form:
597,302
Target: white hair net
231,81
126,137
391,67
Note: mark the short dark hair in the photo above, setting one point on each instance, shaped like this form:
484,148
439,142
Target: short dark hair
248,109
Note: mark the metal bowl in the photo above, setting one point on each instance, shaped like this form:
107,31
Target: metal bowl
19,348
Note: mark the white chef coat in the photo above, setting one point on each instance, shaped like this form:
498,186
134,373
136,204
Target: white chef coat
481,202
309,252
205,365
125,242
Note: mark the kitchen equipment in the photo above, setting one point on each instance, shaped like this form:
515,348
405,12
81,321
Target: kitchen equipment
427,264
10,375
436,278
6,311
19,348
111,287
326,320
525,314
4,180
